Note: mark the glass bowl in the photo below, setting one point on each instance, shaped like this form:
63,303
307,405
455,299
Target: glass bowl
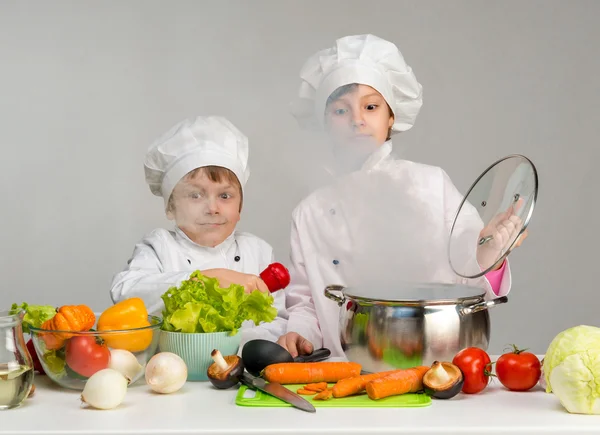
69,358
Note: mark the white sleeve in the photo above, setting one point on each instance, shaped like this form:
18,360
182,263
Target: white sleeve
145,278
467,231
299,299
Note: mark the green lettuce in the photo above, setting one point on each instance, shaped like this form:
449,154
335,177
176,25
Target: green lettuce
572,369
199,304
55,361
35,315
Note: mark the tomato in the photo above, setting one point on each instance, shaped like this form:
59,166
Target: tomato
85,357
518,370
475,364
37,365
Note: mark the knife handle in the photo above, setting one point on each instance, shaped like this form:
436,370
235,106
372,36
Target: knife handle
317,355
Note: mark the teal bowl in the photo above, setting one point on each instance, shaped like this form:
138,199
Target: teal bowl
195,349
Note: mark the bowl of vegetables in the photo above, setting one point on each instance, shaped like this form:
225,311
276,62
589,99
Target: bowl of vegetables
200,316
72,343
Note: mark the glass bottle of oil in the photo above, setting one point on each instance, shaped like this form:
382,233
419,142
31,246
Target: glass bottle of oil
16,365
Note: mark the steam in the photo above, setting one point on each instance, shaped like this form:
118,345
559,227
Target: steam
379,226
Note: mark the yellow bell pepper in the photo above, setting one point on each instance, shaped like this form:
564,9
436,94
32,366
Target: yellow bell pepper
128,314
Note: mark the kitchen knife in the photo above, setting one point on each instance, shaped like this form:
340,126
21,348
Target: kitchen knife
277,390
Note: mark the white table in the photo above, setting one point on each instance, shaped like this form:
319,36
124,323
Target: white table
199,409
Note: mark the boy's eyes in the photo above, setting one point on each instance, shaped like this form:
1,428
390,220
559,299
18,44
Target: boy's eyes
198,195
369,107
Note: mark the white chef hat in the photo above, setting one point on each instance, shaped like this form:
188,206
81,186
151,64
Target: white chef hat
362,59
191,144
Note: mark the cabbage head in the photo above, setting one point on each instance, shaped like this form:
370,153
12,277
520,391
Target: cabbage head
572,369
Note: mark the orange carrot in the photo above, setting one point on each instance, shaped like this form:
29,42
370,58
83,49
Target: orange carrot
321,386
324,395
305,373
356,384
401,382
305,392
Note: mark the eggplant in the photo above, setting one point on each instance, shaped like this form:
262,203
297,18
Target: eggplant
443,380
226,371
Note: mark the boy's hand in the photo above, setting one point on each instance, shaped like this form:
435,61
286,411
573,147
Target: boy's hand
295,344
498,233
226,277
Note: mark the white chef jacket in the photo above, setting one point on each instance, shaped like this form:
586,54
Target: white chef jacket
163,259
321,239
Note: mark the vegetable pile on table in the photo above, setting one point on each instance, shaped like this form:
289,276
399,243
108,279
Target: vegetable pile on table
105,361
67,353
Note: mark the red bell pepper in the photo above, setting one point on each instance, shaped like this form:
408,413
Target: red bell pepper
276,277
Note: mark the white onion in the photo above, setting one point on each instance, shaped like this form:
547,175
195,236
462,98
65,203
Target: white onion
166,372
125,362
105,389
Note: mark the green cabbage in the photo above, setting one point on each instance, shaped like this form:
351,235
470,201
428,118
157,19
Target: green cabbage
571,341
201,305
575,382
572,369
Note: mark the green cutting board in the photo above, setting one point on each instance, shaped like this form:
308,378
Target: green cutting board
261,399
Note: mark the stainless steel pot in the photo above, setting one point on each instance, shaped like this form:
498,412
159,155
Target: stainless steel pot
430,322
407,325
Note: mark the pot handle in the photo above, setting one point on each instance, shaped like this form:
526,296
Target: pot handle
470,309
335,288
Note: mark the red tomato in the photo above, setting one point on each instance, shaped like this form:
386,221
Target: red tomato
85,357
518,370
37,365
475,364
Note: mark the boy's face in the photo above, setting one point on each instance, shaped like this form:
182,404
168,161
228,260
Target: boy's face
206,211
360,115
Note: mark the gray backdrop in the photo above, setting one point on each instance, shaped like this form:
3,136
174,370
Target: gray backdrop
86,86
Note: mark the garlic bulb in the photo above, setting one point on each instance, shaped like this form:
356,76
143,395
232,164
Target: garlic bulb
166,372
105,389
125,362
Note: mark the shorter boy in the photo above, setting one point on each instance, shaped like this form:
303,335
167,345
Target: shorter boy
200,168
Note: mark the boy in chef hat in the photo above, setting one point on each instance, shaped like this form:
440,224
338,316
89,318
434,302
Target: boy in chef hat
200,168
361,92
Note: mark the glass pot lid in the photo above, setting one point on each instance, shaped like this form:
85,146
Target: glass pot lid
494,213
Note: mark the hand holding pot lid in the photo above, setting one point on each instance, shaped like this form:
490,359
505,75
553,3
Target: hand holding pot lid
493,217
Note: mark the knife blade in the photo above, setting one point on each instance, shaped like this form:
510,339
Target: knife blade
277,390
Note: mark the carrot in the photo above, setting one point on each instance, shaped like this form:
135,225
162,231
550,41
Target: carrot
401,382
321,386
305,392
306,373
356,384
324,395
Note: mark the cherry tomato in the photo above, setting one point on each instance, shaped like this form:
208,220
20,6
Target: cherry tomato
518,370
475,364
85,357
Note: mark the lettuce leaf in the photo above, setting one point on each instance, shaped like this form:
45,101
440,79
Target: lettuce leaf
199,304
35,315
